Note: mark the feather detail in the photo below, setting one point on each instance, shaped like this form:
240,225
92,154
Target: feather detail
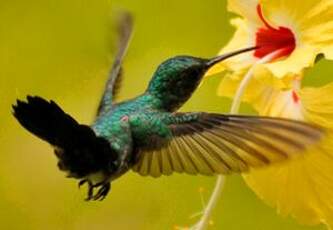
208,144
113,83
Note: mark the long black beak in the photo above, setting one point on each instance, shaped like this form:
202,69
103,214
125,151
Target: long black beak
220,58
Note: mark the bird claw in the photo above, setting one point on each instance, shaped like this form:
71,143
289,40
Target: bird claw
82,182
102,192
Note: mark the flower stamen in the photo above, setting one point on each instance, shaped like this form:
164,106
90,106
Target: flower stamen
261,16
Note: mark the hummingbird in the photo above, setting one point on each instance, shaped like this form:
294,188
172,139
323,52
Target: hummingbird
148,135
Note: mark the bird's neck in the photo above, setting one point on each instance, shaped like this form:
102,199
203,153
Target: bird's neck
165,101
171,88
172,98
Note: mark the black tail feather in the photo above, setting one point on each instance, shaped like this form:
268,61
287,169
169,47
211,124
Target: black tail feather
46,120
81,151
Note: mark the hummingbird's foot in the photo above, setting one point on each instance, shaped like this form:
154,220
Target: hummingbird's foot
103,189
82,182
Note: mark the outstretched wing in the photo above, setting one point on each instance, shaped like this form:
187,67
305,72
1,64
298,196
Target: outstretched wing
114,80
205,143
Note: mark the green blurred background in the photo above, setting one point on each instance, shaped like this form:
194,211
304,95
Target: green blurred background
62,50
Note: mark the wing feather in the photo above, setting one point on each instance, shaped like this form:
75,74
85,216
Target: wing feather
213,151
154,166
208,144
184,159
212,160
112,86
200,162
166,162
176,161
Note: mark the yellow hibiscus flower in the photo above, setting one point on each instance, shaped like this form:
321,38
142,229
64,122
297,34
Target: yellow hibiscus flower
296,31
289,35
302,188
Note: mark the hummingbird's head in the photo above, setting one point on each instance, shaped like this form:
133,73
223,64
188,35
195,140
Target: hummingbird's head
176,78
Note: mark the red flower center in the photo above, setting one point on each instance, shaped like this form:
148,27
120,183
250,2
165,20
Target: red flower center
270,39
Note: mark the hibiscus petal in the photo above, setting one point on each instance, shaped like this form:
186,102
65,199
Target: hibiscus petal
302,188
246,9
243,37
302,57
259,87
318,111
294,10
